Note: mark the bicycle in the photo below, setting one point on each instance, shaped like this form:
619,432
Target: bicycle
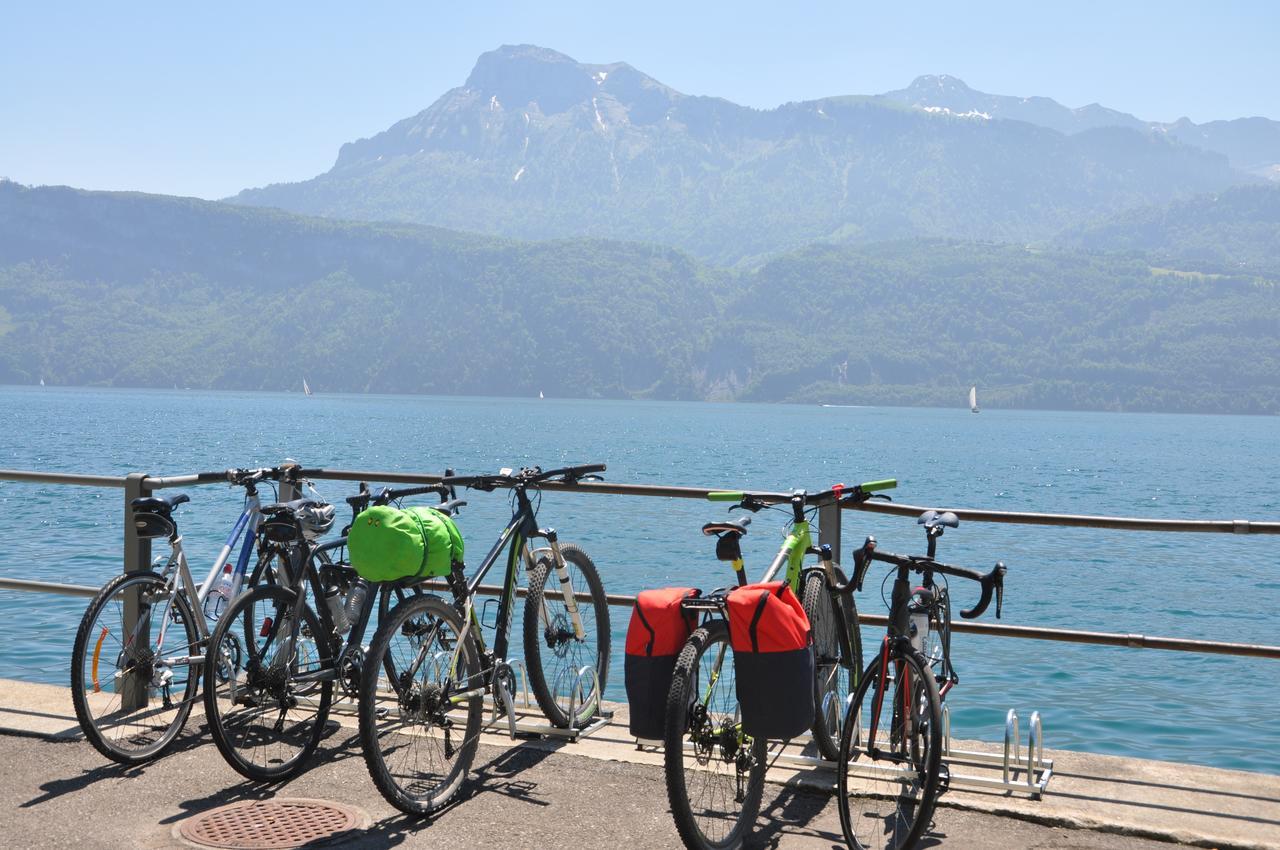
890,781
420,728
268,704
708,756
136,713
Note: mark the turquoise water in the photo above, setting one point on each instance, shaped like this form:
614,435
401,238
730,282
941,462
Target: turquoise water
1166,705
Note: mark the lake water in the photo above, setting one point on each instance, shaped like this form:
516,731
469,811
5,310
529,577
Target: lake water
1165,705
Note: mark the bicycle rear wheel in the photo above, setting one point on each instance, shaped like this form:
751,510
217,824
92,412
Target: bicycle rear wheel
420,727
715,774
553,654
133,693
887,788
836,669
267,707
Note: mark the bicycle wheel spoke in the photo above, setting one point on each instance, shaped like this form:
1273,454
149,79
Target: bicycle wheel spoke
419,734
132,689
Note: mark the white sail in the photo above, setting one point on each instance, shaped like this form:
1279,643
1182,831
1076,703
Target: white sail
305,388
540,395
973,399
42,382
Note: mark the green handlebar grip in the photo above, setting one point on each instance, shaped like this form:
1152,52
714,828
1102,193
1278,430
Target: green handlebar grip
872,486
726,496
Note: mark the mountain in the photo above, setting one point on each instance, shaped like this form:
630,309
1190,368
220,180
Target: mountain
126,289
919,322
1250,144
535,145
1236,231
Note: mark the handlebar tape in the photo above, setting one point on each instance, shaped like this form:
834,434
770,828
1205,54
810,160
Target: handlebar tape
726,496
883,484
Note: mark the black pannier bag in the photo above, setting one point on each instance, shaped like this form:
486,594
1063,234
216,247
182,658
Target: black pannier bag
657,632
773,660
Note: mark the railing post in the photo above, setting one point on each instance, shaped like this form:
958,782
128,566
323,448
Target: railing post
137,556
829,529
287,491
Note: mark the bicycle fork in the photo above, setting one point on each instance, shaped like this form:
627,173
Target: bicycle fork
566,583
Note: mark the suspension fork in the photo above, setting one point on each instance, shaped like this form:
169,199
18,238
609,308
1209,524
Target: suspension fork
566,585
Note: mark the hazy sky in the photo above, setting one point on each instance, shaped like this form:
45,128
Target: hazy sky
207,99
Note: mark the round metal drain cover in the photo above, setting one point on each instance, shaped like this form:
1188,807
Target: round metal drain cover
263,824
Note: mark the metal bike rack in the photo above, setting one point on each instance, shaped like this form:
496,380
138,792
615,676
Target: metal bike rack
1035,770
1005,772
529,719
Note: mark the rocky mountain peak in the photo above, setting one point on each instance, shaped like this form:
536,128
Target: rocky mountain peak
521,74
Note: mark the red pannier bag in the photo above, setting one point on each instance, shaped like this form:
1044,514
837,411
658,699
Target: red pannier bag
772,659
657,632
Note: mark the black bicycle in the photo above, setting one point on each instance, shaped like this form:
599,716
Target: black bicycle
420,726
268,698
891,770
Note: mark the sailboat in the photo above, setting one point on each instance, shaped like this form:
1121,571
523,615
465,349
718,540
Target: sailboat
306,389
42,382
973,399
540,395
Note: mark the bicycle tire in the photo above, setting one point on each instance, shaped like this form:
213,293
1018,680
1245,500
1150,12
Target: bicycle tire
548,635
266,685
883,807
707,757
150,733
833,673
400,729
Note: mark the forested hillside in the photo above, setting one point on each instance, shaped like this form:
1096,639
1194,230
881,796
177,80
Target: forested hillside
137,290
1236,231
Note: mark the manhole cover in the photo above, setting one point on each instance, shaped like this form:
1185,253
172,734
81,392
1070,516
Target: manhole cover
260,824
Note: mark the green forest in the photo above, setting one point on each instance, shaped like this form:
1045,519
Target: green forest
123,289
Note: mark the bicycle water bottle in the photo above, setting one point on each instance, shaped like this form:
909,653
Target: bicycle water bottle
355,599
220,596
337,610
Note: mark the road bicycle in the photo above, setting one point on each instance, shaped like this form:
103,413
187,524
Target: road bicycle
714,770
135,665
891,772
420,727
268,698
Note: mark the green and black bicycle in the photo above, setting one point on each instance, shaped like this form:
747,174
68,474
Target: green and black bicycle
714,770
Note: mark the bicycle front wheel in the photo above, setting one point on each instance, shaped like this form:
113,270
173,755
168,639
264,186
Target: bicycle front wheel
420,726
558,659
837,657
133,690
269,684
715,773
888,782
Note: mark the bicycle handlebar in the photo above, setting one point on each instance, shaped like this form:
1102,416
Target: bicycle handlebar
387,495
528,476
990,581
758,501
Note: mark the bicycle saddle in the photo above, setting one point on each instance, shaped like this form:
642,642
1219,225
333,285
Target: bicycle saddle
159,504
933,519
727,526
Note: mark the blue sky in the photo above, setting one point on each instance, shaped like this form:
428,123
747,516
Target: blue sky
207,99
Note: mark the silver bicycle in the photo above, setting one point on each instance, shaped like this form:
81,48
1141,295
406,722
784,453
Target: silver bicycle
138,655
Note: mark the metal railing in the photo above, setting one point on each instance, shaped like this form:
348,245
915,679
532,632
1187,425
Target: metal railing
137,551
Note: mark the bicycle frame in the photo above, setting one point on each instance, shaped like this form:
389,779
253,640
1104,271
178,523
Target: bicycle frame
247,525
514,538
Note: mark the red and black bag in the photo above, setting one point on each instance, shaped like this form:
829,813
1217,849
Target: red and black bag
773,660
657,631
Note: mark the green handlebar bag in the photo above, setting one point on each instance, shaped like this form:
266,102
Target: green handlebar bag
387,543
